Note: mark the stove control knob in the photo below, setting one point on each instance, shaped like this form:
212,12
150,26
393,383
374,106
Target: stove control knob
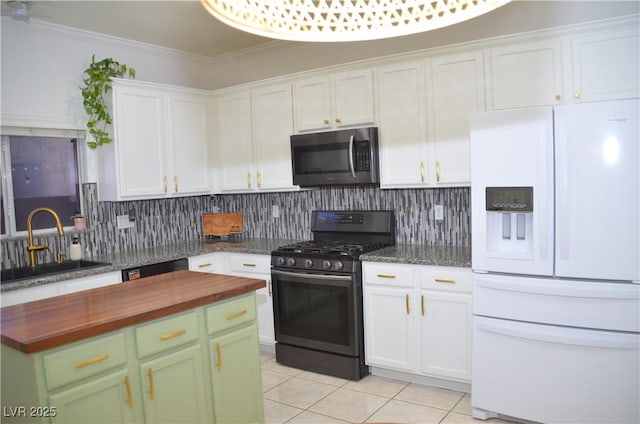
281,261
308,263
338,265
326,264
291,262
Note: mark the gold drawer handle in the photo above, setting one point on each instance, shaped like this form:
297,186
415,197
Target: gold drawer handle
444,280
175,183
406,301
270,289
386,276
127,385
91,361
437,171
152,386
251,265
422,304
421,171
169,336
219,363
236,314
205,265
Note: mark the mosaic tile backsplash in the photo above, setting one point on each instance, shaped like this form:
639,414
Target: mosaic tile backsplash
167,221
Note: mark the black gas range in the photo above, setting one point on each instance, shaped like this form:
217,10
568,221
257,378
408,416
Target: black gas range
317,292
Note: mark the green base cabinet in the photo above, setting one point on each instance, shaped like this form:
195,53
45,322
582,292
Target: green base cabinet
198,366
237,382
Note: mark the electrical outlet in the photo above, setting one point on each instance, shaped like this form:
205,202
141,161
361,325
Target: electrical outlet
275,211
438,212
123,222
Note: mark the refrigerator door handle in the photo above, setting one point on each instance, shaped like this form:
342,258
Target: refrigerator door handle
562,192
542,207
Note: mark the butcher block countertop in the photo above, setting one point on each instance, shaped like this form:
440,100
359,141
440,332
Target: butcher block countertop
44,324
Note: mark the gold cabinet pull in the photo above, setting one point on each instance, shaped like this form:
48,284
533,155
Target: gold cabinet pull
170,336
91,361
127,385
326,122
164,183
269,287
386,276
422,303
249,179
249,265
152,386
558,97
175,183
219,355
577,95
338,120
422,171
208,264
438,171
445,281
236,314
259,178
406,302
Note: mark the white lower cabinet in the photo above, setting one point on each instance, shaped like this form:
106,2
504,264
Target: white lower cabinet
244,265
418,319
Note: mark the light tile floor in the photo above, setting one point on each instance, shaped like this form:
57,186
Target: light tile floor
296,396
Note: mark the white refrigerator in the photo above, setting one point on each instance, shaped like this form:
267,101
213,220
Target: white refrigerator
555,195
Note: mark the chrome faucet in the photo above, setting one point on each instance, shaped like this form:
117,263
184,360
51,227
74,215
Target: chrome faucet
34,248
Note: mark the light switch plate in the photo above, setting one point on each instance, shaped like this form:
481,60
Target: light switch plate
123,222
438,212
275,211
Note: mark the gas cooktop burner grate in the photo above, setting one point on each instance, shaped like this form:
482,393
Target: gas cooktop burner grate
344,248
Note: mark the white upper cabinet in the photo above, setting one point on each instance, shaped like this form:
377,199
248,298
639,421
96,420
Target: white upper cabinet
341,100
160,144
455,89
606,66
272,128
254,129
235,157
524,75
402,124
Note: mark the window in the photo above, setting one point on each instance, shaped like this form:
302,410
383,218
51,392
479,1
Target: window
39,171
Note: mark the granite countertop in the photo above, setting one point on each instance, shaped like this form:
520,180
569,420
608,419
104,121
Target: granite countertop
420,254
401,253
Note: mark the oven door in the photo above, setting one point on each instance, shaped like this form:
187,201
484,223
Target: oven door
316,311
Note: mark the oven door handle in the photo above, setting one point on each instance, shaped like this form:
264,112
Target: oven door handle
353,171
312,276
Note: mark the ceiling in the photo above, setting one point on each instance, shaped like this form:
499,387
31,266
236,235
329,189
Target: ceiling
183,25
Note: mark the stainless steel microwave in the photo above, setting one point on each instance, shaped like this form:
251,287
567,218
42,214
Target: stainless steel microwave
344,157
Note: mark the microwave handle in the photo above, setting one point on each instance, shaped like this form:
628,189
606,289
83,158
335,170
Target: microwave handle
353,171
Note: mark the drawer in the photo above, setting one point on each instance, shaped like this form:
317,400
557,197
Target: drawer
203,263
251,264
232,312
166,334
446,278
388,274
84,360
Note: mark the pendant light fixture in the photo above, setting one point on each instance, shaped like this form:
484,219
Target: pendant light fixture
344,20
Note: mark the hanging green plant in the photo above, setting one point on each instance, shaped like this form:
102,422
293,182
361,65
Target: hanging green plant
97,86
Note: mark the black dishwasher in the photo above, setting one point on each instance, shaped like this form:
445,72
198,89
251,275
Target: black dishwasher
154,269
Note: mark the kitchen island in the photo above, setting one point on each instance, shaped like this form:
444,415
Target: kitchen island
177,347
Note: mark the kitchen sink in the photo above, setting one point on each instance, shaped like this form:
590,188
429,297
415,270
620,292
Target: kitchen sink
16,274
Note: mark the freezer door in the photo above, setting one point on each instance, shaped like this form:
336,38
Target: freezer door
598,190
512,151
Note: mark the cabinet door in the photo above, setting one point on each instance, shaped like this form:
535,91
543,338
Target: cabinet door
312,104
402,125
272,113
353,98
237,381
102,400
140,116
389,328
234,142
606,66
456,90
188,145
173,388
445,329
525,75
